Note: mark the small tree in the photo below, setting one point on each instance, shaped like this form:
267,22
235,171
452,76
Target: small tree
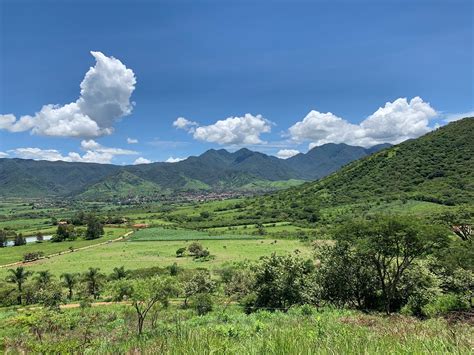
69,281
195,248
19,240
18,276
39,237
202,303
146,293
200,282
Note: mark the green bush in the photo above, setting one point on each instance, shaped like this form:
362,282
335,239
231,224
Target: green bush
444,304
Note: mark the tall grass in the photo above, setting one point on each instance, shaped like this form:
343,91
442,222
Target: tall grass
300,331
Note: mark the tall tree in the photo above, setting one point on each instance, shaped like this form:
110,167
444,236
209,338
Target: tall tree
18,276
3,238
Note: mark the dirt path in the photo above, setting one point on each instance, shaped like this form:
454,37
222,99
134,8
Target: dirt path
28,263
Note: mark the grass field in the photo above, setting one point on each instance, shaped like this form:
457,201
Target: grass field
143,254
168,234
13,254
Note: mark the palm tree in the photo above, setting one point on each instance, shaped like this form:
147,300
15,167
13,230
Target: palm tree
43,278
18,276
69,281
118,273
93,279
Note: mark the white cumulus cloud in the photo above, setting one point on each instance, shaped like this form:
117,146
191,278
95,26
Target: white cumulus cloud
3,155
393,123
104,99
174,160
93,153
183,123
141,160
231,131
287,153
132,141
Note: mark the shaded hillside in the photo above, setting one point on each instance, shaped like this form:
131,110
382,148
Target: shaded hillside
436,167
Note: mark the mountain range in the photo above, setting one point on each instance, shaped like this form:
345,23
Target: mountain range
214,170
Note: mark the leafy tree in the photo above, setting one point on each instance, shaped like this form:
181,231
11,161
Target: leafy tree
282,281
18,276
93,280
202,303
195,248
39,237
200,282
95,229
19,240
69,281
391,245
64,232
344,277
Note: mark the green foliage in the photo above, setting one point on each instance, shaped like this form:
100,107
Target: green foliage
95,229
202,303
281,282
444,304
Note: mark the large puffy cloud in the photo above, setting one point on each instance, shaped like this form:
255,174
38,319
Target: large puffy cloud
104,99
3,155
231,131
395,122
287,153
93,153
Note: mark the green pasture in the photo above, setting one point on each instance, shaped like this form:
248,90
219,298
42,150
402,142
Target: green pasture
143,254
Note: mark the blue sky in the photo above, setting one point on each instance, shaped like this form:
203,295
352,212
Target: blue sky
305,73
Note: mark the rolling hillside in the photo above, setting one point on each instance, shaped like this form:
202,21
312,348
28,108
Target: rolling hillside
437,167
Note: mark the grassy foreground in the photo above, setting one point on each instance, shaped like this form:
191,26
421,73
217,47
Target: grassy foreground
302,330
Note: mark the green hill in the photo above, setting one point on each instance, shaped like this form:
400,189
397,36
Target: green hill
437,167
120,185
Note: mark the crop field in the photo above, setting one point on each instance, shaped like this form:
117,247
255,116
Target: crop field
136,255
